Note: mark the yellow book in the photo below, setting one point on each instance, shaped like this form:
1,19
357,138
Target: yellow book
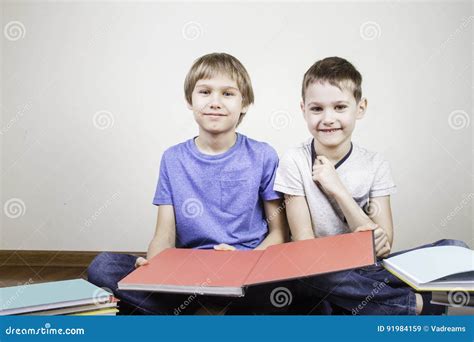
107,311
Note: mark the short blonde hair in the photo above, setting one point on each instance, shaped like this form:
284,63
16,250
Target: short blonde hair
212,64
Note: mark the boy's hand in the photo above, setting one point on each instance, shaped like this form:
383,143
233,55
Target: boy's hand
325,174
224,247
140,262
382,246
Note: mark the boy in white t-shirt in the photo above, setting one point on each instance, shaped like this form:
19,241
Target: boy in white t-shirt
333,186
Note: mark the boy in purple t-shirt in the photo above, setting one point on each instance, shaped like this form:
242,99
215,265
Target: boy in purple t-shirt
214,191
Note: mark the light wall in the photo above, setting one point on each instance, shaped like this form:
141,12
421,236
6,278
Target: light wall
92,96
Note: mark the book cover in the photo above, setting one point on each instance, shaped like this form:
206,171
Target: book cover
229,272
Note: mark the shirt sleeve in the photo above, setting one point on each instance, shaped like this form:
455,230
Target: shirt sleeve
383,184
270,165
163,188
288,177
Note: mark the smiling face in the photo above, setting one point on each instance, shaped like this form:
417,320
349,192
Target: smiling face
331,112
217,104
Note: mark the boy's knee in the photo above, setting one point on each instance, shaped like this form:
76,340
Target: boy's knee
96,271
451,242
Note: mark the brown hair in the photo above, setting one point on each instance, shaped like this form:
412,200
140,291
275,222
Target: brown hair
336,71
211,64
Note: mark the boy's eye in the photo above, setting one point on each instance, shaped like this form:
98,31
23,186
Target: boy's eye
228,93
205,92
315,109
340,107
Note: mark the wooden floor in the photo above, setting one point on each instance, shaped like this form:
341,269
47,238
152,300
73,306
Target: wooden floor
18,267
19,275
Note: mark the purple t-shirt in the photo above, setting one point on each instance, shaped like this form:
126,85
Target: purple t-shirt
218,198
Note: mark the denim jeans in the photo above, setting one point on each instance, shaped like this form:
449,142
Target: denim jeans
368,290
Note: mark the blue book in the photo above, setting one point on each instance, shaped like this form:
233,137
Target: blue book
52,295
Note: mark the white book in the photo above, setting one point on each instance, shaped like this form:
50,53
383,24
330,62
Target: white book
440,268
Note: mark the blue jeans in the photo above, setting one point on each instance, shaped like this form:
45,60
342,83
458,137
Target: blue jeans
368,290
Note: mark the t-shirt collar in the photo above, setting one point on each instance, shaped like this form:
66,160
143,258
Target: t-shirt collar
195,151
339,163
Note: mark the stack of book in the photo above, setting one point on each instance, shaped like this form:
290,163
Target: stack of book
446,271
66,297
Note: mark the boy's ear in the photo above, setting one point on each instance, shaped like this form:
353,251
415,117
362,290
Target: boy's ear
190,106
361,108
302,106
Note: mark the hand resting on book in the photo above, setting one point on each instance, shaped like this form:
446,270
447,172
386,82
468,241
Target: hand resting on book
224,247
140,262
382,246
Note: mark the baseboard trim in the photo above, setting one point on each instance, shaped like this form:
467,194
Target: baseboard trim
51,258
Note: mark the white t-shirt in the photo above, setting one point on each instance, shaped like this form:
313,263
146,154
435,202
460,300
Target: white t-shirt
365,175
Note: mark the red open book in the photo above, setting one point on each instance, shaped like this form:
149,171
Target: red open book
229,272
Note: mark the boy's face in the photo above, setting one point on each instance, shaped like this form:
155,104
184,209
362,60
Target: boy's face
331,113
216,104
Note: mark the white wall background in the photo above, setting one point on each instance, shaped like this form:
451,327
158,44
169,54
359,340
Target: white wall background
67,184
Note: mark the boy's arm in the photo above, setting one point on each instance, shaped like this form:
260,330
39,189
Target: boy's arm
299,217
382,215
379,210
380,221
277,224
165,233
